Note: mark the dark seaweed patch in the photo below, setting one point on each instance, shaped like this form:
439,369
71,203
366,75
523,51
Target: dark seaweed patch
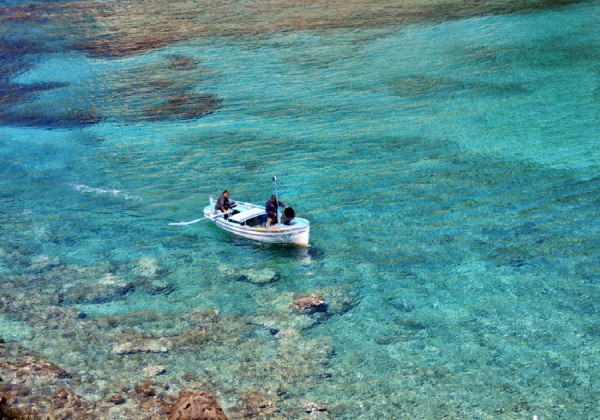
185,106
72,119
11,94
13,60
415,87
181,62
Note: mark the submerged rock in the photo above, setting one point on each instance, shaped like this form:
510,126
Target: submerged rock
279,315
258,276
313,407
117,400
12,413
105,289
197,405
146,390
22,371
155,370
257,405
159,345
65,399
159,406
43,262
310,304
146,267
159,288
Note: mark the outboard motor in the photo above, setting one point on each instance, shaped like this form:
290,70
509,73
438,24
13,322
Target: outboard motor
288,215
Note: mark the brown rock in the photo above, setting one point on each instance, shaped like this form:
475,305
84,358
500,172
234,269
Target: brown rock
10,413
146,390
197,405
6,411
142,345
313,407
34,367
64,398
159,405
154,370
116,399
257,405
310,304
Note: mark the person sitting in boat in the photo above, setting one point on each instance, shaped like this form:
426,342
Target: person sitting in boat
287,216
222,204
271,210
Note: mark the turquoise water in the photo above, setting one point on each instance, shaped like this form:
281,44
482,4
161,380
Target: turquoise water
449,171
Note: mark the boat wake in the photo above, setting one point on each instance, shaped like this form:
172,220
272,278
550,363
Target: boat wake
100,191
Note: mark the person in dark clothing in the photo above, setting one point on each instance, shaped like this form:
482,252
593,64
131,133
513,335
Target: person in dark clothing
271,210
287,216
222,203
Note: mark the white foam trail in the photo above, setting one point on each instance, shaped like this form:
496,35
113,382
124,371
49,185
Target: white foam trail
100,191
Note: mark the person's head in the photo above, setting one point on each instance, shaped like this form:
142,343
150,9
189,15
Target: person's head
273,198
226,193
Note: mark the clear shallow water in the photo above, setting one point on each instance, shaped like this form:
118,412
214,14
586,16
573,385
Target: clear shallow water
450,173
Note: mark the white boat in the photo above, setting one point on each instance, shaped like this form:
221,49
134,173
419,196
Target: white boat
246,219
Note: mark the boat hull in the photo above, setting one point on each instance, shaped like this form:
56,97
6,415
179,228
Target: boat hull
272,235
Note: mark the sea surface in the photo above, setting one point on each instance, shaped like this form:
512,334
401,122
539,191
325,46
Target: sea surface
449,165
